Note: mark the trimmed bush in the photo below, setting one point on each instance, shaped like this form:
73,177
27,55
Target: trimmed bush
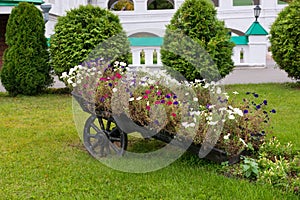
284,39
26,68
195,38
78,34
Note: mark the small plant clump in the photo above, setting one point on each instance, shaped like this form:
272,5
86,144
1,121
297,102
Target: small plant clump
275,164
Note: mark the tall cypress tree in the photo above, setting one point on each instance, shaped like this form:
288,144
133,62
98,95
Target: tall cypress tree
26,68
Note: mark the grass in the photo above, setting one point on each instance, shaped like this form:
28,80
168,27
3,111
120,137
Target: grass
42,156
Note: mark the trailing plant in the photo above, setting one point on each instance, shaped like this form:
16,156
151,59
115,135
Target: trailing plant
26,68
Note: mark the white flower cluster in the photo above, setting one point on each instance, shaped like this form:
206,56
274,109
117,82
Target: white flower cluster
78,73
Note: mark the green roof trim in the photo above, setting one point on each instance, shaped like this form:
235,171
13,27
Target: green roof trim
239,40
256,29
145,41
16,2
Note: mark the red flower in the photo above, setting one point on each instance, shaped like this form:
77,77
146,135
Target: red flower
173,114
147,91
145,97
103,79
169,103
148,107
118,75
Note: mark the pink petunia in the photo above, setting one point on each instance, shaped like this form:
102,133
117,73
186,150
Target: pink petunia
145,97
147,91
118,75
148,107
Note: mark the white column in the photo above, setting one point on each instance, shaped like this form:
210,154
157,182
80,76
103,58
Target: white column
136,59
149,56
225,5
158,56
140,6
236,55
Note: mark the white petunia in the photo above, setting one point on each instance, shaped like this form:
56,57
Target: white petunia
123,64
213,123
184,124
195,99
219,91
114,89
226,137
139,98
64,75
70,81
74,84
238,111
131,99
231,117
244,143
79,81
235,92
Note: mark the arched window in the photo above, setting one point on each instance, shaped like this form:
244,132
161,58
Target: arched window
160,4
237,32
120,5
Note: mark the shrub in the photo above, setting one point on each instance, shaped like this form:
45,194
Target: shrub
26,68
197,20
79,32
285,39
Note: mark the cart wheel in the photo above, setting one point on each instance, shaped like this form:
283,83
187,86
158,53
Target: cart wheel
102,137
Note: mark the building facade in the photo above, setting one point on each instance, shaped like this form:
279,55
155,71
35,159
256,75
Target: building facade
147,18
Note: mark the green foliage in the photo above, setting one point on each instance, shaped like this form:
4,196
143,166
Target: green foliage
196,43
160,4
285,45
26,68
279,165
124,5
81,35
250,167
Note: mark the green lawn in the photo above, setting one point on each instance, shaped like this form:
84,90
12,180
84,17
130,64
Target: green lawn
42,156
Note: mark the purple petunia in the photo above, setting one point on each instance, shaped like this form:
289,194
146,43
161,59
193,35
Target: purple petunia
258,107
265,102
273,111
175,102
246,111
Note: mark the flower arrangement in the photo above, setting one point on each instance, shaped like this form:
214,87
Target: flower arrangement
154,99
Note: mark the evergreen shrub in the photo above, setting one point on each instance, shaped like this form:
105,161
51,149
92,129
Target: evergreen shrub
285,45
26,68
196,43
